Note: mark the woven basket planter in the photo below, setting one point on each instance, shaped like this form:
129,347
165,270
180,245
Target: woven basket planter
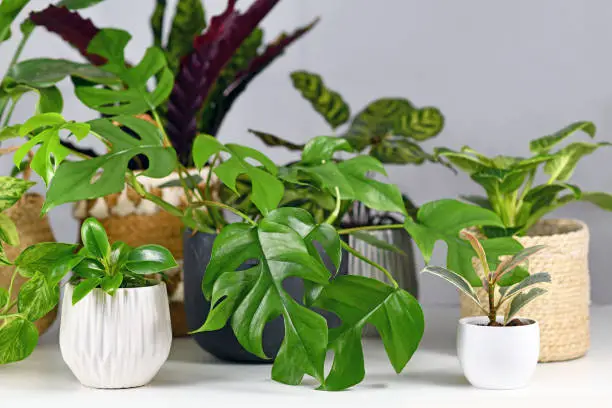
563,312
128,218
402,267
32,230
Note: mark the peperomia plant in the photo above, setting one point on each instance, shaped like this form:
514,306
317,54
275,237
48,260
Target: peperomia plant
42,266
110,267
509,181
519,294
212,64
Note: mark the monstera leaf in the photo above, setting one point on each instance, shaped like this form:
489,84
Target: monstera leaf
443,220
267,189
328,103
388,117
45,131
282,243
358,300
134,99
104,175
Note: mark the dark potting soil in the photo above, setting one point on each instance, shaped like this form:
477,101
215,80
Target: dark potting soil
511,323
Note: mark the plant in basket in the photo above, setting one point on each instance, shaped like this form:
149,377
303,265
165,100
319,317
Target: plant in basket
513,341
513,192
211,62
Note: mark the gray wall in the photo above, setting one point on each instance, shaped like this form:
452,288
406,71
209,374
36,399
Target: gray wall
502,73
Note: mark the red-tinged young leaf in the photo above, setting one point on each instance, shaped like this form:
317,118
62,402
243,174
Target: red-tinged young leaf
200,69
482,256
74,29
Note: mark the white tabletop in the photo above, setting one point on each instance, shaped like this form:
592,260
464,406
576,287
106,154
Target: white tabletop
432,378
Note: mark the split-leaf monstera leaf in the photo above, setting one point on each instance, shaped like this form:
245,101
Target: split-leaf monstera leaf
389,127
508,181
283,244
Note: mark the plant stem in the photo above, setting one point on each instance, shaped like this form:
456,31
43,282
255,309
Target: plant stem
14,60
356,253
7,119
207,195
8,304
226,207
132,182
10,149
492,308
165,137
334,215
370,228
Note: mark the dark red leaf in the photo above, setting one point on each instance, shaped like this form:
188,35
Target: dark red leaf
200,69
74,29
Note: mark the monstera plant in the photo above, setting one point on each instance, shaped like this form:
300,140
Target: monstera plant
211,63
510,182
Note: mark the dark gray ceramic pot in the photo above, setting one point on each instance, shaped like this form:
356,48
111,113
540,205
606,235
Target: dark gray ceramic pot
222,343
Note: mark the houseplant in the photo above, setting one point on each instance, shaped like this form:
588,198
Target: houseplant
388,129
212,63
511,190
498,351
39,267
38,76
115,330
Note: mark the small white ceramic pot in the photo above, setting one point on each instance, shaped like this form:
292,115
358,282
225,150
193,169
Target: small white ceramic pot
118,341
499,358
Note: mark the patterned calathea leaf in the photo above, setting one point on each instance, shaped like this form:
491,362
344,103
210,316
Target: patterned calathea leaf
283,245
273,141
434,223
400,151
388,117
189,21
328,103
358,300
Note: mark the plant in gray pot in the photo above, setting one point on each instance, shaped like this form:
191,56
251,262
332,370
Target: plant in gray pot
388,129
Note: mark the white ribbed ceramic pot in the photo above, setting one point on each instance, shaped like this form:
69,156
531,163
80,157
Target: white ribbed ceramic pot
497,358
118,341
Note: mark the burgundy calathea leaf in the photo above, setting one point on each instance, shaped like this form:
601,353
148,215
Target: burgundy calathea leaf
200,69
74,29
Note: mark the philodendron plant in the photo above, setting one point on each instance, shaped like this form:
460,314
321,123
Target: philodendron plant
110,267
42,266
516,296
509,182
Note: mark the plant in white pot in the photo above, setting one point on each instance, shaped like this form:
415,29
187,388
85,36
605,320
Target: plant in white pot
498,351
115,330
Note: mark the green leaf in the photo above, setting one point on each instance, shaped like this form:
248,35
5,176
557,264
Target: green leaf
522,300
281,252
189,22
464,161
4,261
480,201
156,22
8,230
37,297
496,181
455,279
149,259
328,103
600,199
388,117
78,4
376,242
400,151
46,72
50,100
134,99
322,148
444,220
516,260
18,338
94,239
4,298
11,190
84,288
562,166
52,259
105,175
531,280
267,189
9,10
90,268
359,300
273,141
544,144
110,284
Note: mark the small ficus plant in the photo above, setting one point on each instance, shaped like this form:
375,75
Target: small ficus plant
110,267
516,295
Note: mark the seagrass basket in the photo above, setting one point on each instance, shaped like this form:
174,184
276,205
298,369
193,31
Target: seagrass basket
128,218
32,230
563,312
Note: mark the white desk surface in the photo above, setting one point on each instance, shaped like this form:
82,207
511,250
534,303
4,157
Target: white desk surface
432,378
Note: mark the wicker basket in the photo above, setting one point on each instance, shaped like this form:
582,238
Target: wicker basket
563,313
128,218
32,230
